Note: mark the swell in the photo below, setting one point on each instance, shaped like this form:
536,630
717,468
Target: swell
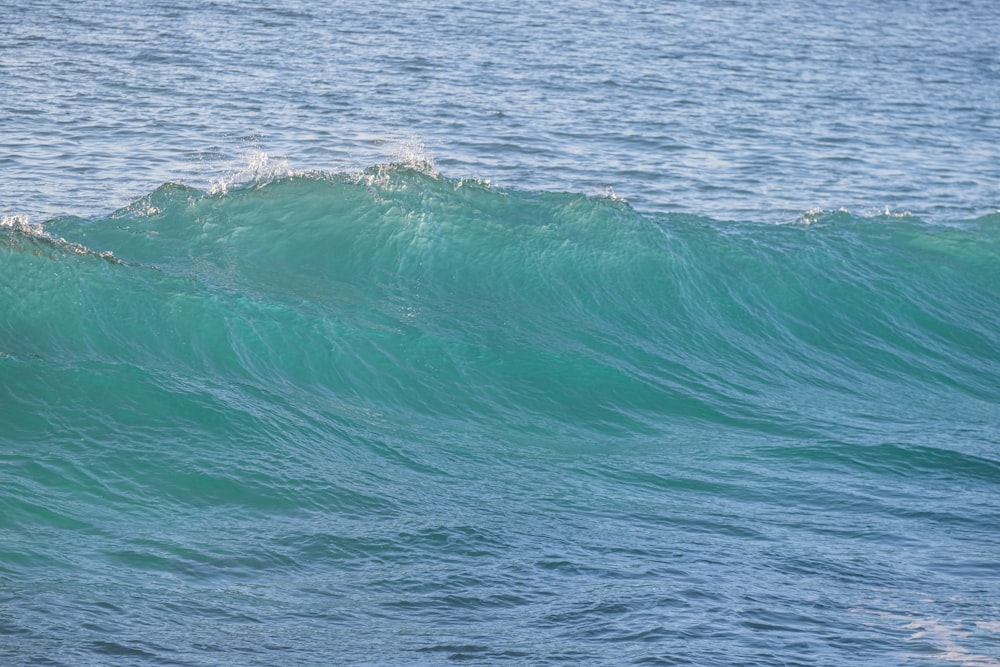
403,292
245,409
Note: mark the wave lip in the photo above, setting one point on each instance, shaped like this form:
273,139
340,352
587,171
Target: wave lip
19,227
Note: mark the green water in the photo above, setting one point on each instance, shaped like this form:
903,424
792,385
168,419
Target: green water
397,418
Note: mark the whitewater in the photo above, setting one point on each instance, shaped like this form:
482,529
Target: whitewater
666,333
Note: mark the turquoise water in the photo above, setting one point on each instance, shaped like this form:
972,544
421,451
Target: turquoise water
380,335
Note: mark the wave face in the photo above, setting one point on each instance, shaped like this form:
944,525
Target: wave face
422,419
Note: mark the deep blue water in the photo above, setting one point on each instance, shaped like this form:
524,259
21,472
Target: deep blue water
374,333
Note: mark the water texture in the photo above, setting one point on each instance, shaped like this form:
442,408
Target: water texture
729,109
661,333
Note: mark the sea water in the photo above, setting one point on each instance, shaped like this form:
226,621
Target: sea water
499,333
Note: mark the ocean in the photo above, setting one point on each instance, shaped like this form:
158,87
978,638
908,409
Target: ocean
499,333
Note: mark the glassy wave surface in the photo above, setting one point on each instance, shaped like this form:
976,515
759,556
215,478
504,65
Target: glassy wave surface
393,417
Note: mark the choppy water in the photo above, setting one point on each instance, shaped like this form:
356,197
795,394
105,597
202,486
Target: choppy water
508,333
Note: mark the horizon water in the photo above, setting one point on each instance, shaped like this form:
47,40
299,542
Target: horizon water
499,333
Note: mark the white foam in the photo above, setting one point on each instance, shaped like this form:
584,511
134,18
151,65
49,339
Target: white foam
21,223
943,635
255,167
412,152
